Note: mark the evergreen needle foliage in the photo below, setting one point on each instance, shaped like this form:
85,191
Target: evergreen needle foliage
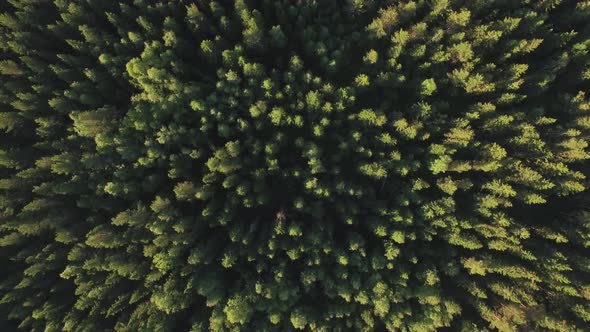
278,165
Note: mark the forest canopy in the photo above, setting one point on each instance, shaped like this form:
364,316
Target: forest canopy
279,165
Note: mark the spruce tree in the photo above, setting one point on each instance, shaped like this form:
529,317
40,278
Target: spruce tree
328,165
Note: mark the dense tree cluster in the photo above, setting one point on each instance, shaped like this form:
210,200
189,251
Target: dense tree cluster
282,165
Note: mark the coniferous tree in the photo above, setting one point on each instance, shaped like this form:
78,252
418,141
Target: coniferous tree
275,165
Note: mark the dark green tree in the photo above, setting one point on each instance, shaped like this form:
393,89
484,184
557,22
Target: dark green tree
327,165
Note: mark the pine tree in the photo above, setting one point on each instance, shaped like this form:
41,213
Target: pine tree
241,165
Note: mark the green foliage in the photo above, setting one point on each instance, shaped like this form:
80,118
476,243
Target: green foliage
238,310
275,165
